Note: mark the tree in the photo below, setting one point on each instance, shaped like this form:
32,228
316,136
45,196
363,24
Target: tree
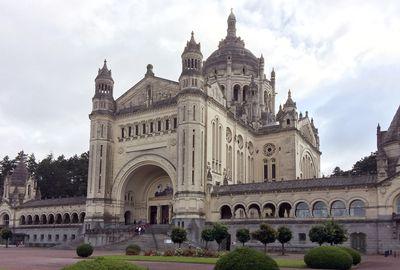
266,234
243,235
207,235
317,234
178,235
330,232
338,172
6,234
367,165
335,233
284,235
220,233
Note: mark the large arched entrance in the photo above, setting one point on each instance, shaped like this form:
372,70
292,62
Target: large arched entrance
147,196
358,241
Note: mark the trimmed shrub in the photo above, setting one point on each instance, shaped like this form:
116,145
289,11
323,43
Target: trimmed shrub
188,252
328,257
199,252
103,264
169,252
245,259
132,250
84,250
354,254
178,252
149,252
210,254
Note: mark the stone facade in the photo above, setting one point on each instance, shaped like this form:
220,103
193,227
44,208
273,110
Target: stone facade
211,147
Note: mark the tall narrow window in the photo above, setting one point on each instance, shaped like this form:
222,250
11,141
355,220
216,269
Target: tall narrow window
136,130
265,170
143,128
123,132
130,131
184,113
159,126
273,168
151,127
175,122
167,124
194,112
102,130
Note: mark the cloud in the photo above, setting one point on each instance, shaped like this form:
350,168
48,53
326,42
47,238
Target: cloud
340,58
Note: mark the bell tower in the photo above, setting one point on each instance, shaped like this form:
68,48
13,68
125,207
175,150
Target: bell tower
190,196
101,149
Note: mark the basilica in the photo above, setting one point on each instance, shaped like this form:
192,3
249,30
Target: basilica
210,147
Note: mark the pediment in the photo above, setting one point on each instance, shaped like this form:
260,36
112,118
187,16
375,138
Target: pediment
149,87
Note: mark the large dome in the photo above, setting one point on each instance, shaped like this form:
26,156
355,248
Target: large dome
231,49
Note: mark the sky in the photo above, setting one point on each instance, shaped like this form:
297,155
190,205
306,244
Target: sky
341,60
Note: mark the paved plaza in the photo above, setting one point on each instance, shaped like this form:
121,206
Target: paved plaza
53,259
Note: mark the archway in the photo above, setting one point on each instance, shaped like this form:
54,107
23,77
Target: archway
269,210
5,219
147,196
127,217
225,212
284,210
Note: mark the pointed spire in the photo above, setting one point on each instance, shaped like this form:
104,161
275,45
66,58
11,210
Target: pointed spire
104,72
289,102
105,64
273,72
231,25
191,45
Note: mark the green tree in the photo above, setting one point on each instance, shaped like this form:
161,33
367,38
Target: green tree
207,235
266,234
243,235
335,233
178,235
6,234
6,167
367,165
32,164
284,235
338,172
220,233
317,234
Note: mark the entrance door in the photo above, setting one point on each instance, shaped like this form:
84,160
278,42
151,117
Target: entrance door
153,214
358,241
164,214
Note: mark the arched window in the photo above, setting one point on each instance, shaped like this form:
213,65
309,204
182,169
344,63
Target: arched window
67,218
236,91
357,208
127,217
245,92
338,209
254,211
284,210
75,218
320,210
240,211
302,210
36,220
226,212
397,206
30,220
43,219
82,217
22,220
58,219
269,210
265,169
51,219
6,220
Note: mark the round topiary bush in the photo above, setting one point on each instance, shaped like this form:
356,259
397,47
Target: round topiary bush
245,259
103,264
354,254
132,250
84,250
328,257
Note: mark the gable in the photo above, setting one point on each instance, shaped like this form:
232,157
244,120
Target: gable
214,91
151,87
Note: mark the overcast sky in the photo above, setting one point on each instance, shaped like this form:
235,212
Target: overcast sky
341,59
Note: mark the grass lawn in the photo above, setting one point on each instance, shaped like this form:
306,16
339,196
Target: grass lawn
288,263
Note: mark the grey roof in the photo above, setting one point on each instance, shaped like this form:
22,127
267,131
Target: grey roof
20,174
393,133
298,184
55,202
156,104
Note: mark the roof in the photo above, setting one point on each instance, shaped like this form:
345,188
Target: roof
393,133
20,174
298,184
55,202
